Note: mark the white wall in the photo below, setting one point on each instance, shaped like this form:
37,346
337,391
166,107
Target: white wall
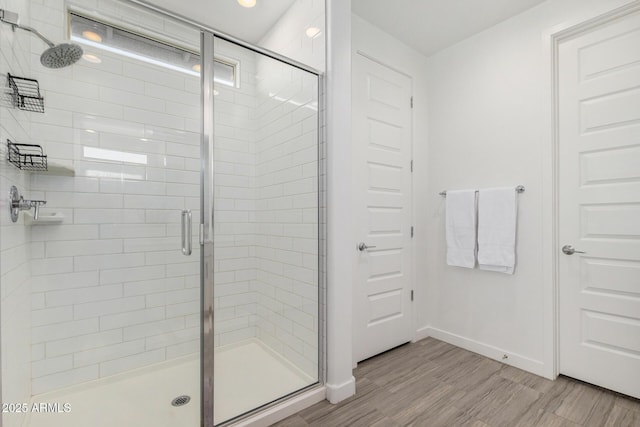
15,276
489,125
384,48
339,378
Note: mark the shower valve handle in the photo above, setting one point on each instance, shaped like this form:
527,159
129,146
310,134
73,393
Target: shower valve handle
18,203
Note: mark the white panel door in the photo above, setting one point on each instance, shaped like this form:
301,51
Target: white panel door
599,205
382,197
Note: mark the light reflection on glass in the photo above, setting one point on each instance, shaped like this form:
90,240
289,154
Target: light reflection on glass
114,156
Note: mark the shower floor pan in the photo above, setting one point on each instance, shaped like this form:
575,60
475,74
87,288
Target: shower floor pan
247,375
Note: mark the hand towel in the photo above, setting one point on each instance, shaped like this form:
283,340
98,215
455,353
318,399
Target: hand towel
460,218
497,217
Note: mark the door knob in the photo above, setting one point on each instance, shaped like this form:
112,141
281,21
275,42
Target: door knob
570,250
363,246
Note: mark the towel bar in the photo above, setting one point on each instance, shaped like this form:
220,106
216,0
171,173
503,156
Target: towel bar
519,189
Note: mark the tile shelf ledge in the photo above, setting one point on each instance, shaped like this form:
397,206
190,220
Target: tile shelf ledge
43,219
58,170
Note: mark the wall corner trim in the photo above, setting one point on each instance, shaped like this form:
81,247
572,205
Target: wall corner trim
338,392
422,333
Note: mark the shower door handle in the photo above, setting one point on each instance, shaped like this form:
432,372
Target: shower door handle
186,232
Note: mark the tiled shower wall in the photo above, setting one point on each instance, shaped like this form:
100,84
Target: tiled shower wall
111,290
287,212
266,209
15,281
287,174
234,155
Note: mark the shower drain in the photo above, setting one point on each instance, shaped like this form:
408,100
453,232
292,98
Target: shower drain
180,400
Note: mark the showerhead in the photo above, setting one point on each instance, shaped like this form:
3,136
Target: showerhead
56,56
61,55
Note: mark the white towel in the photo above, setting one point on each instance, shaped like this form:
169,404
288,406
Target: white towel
461,228
497,212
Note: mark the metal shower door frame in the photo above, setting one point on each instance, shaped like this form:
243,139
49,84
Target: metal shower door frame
207,284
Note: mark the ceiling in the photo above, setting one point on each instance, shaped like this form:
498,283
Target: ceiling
227,16
426,25
431,25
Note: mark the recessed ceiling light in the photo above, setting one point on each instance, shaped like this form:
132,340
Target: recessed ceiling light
91,58
92,35
312,32
196,68
247,3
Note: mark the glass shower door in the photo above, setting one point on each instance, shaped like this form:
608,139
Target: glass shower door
265,229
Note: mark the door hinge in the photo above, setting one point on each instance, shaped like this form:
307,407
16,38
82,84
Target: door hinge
411,294
201,234
412,231
412,102
411,165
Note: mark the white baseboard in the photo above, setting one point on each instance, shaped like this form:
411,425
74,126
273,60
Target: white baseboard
285,409
421,334
338,393
513,359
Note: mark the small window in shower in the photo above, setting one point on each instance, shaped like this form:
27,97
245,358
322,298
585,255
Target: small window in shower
108,37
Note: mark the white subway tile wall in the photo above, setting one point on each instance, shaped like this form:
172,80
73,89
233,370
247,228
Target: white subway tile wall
234,201
15,238
290,196
266,209
111,290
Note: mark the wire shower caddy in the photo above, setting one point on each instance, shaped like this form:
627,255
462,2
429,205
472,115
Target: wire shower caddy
27,157
25,94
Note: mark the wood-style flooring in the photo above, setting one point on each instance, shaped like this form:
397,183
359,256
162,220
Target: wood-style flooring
432,383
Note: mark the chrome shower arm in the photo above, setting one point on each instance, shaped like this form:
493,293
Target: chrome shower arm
12,19
36,32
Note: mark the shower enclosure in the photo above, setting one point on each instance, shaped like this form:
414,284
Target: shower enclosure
173,277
